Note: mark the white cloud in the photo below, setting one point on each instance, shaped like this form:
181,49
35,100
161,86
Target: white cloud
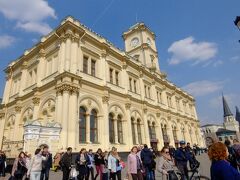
235,59
201,88
188,50
217,63
29,14
6,41
42,28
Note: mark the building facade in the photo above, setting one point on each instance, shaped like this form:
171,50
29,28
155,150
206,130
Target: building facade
74,88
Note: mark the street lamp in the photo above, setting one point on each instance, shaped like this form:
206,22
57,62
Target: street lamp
237,22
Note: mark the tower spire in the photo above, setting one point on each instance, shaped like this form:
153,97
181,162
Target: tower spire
226,109
237,115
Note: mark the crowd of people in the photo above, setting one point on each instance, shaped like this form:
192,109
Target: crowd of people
142,163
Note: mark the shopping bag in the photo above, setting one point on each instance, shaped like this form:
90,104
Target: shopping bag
73,173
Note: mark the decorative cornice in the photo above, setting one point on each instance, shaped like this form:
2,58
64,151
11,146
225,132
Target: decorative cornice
24,65
41,53
36,100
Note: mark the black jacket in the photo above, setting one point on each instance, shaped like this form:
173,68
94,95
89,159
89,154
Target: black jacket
66,160
47,164
98,159
146,156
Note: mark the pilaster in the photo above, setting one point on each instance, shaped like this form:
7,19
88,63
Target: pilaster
105,123
129,130
41,66
147,138
36,102
15,136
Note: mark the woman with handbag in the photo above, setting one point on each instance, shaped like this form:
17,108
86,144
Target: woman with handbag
114,165
35,167
19,168
166,165
134,165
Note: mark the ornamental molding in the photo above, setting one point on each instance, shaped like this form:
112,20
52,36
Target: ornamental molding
105,99
67,87
128,106
2,115
36,100
18,108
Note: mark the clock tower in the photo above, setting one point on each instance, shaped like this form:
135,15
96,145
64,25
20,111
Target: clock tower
140,44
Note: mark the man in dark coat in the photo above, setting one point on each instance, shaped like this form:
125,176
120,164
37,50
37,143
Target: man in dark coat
2,163
66,163
147,158
47,164
182,156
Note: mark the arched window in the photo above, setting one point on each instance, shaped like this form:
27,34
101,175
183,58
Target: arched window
139,131
153,131
120,130
93,126
164,132
133,131
82,125
111,128
174,130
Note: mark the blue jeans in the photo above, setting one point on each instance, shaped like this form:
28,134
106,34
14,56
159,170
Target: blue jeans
45,172
149,173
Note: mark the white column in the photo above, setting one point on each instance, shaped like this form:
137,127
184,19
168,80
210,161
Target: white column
68,54
74,49
59,107
147,138
14,135
115,131
64,135
142,87
61,54
125,81
88,128
24,79
40,67
72,121
143,133
7,89
36,102
159,133
170,135
105,124
129,130
136,132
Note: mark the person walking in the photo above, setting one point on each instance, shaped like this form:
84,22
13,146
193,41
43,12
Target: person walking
166,164
134,164
82,161
35,167
47,164
19,168
66,162
114,165
90,166
147,157
2,163
99,161
231,154
221,168
182,157
56,160
105,170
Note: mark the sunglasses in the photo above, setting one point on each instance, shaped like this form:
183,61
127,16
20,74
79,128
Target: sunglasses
167,152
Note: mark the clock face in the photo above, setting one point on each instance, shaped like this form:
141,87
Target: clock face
149,41
134,42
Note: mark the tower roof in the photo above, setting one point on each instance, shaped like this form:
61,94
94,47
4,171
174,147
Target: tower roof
226,109
237,114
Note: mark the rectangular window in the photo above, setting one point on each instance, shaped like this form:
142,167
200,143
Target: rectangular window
157,96
116,78
135,86
85,64
93,67
145,89
111,75
130,84
149,95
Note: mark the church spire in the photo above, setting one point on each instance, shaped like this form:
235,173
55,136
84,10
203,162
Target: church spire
237,114
226,109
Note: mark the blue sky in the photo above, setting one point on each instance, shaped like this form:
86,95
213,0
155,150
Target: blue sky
197,41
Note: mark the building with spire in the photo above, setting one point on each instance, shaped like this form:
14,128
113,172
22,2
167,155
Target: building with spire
76,89
228,130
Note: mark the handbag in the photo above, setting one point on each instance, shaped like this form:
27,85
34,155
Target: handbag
172,175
